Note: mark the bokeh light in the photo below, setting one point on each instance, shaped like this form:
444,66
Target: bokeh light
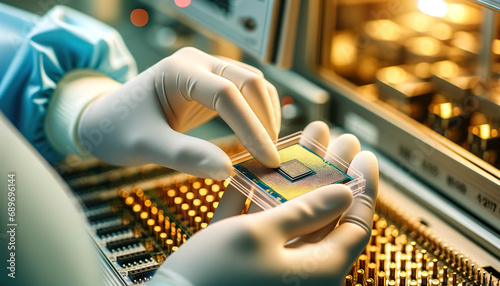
182,3
435,8
139,17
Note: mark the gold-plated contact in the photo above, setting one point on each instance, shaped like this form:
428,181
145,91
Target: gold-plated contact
197,222
371,270
348,280
154,212
191,216
434,268
157,232
392,271
209,199
171,195
381,262
183,190
381,278
372,250
215,189
403,262
424,276
137,210
360,274
129,201
147,204
196,185
203,212
402,278
144,218
203,192
169,245
184,210
362,261
189,197
413,271
163,237
445,276
151,223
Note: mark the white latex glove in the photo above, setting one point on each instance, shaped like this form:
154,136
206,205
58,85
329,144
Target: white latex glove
51,245
143,120
253,250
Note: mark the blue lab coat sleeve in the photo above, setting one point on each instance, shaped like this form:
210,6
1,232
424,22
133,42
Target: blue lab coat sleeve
36,52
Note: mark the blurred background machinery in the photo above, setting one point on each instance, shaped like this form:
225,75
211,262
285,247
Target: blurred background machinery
417,81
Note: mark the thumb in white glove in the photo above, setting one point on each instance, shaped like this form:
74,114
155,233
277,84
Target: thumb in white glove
250,250
254,249
143,120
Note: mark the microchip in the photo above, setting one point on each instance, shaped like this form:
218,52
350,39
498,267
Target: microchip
294,170
301,171
140,275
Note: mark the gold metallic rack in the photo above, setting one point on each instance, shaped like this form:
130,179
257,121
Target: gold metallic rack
402,250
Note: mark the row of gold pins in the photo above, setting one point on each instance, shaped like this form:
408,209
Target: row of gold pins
190,200
406,263
381,279
153,220
399,263
434,245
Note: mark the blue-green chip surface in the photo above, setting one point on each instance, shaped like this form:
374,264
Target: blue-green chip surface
301,171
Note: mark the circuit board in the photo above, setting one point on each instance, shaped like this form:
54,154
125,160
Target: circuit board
138,216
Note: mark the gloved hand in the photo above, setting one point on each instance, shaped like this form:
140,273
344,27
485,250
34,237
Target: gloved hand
254,250
143,120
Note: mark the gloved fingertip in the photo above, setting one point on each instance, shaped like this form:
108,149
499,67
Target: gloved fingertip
268,157
220,169
366,163
346,147
202,159
272,160
336,195
319,131
350,140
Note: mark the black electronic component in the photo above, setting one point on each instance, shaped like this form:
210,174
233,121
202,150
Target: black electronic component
134,258
95,202
294,170
492,272
102,217
117,244
140,274
112,229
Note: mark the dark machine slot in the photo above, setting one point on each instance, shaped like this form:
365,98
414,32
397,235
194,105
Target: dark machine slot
102,217
134,258
118,244
112,229
139,274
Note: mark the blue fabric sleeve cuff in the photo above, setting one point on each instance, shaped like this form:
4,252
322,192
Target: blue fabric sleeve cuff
61,41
